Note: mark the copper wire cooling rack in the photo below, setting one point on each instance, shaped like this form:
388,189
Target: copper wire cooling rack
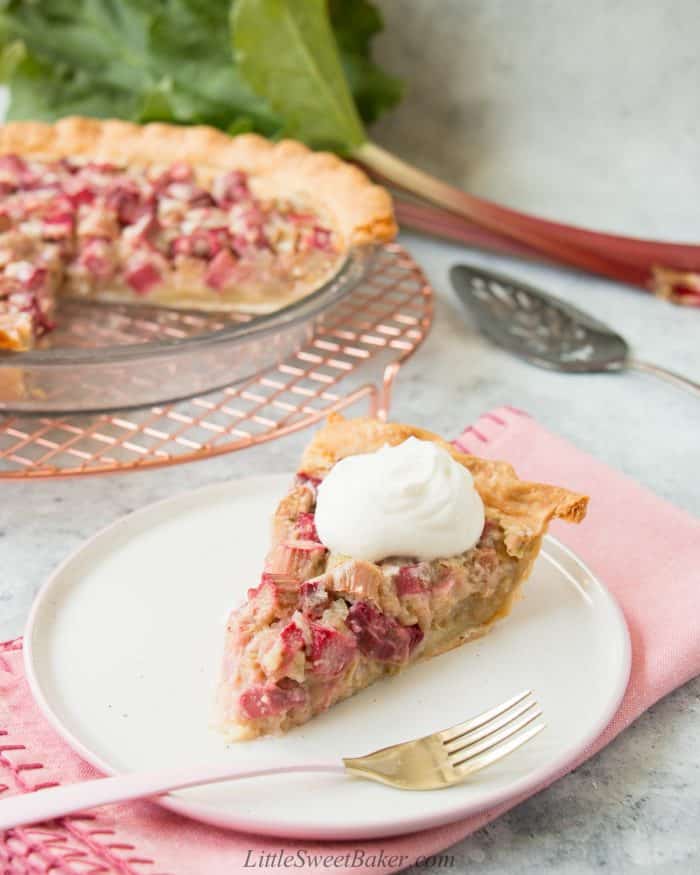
354,355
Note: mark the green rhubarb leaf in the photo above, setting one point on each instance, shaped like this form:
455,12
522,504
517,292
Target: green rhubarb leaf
172,60
12,54
355,25
287,52
141,59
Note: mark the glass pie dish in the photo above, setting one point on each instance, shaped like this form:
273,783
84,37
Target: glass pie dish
115,356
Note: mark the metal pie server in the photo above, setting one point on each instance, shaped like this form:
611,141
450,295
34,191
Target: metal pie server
546,331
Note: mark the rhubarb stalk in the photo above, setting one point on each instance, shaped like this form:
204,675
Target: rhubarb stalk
428,219
670,270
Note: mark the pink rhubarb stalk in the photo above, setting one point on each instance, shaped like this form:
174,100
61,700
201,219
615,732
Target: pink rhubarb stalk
669,270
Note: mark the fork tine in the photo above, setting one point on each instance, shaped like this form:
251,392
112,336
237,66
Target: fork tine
476,763
493,739
485,729
454,732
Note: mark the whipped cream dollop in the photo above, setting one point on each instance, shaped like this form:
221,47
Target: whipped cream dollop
412,499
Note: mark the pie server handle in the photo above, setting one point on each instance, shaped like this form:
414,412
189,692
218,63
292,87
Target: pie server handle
672,377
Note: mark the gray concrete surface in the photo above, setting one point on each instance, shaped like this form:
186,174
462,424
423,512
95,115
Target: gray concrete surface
584,111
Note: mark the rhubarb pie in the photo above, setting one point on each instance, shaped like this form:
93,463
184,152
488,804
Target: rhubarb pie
172,216
322,624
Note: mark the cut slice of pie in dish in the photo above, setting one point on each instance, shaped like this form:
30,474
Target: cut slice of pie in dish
322,624
178,217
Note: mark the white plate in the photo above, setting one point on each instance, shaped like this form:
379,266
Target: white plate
123,647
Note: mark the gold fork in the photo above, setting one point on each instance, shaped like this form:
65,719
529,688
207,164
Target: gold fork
435,761
448,757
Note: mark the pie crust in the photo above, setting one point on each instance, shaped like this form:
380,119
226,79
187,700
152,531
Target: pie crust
349,210
375,619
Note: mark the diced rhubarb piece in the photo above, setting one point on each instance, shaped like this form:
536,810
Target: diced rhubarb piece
144,229
24,276
42,321
268,700
380,636
27,298
313,598
265,600
304,547
416,636
239,243
82,195
321,238
28,303
305,528
217,239
57,226
190,244
12,163
686,293
79,192
247,228
96,220
59,206
220,270
283,655
412,579
58,222
190,193
330,652
126,200
96,257
13,170
297,218
279,579
202,243
34,278
231,188
299,560
356,579
143,277
292,636
180,171
308,480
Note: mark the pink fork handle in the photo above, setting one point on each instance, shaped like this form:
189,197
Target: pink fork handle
59,801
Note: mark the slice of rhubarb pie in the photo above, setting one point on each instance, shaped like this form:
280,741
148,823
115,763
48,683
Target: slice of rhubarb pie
178,217
391,546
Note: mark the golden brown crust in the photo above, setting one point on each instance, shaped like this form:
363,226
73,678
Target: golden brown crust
521,508
361,211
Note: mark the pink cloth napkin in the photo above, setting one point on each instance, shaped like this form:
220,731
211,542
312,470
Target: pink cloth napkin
647,552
